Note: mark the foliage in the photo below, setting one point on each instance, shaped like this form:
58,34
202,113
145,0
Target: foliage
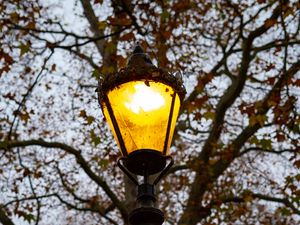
236,145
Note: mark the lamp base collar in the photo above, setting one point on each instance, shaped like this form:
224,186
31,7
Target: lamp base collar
145,159
146,216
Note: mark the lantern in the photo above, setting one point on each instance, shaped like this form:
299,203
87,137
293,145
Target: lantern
141,104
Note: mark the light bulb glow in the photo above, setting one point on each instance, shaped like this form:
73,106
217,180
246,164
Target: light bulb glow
142,111
144,99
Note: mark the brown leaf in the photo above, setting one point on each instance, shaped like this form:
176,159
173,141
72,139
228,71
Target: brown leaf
24,116
269,67
53,67
7,58
271,80
98,1
280,137
82,113
270,22
127,37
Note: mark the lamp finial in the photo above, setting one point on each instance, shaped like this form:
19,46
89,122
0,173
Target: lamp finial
138,48
139,57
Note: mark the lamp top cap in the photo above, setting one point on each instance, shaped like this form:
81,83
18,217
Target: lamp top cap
140,67
138,49
139,59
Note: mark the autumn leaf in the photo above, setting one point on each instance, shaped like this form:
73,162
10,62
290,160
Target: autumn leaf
122,61
98,1
37,174
257,119
247,196
280,137
10,96
297,163
127,37
103,163
14,16
82,113
26,216
3,144
24,49
53,67
124,21
107,69
209,115
266,144
7,58
254,140
248,109
96,74
110,47
270,67
102,25
270,22
261,1
288,11
30,25
164,15
285,211
24,116
167,34
95,138
88,119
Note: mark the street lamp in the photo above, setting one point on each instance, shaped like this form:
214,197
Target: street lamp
141,104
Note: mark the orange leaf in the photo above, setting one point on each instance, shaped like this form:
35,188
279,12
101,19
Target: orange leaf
24,116
270,22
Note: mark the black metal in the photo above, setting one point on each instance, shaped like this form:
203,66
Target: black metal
145,213
115,124
146,195
123,168
166,169
139,57
146,216
145,173
169,124
137,160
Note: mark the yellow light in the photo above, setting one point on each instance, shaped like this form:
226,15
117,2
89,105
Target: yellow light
144,99
142,111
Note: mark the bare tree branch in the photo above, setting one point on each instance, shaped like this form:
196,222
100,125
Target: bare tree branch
27,199
127,6
208,173
94,24
233,149
4,219
26,95
31,187
236,199
80,160
271,151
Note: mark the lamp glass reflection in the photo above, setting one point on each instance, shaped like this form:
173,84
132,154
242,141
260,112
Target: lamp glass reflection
142,110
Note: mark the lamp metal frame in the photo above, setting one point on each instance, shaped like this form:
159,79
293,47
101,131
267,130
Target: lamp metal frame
142,162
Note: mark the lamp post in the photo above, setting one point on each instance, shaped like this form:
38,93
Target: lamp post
141,104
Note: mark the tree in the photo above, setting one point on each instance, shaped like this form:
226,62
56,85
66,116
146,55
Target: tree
236,145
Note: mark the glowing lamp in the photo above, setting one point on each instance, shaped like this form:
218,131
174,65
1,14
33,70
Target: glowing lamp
141,104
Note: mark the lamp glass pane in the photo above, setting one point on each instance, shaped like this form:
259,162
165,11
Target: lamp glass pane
142,111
